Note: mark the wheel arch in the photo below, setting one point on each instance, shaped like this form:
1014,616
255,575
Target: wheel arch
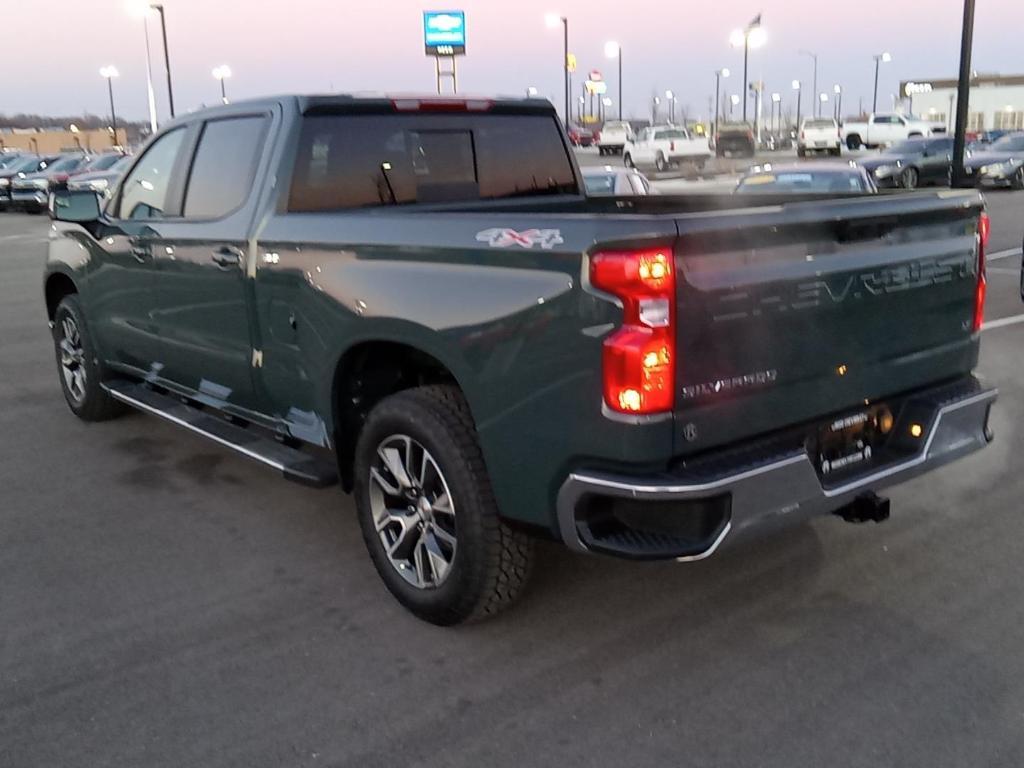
370,370
56,286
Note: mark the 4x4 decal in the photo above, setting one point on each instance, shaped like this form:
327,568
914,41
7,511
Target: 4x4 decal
506,238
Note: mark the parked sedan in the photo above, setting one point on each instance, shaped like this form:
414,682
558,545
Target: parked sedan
806,178
102,182
7,159
609,181
1000,165
912,163
32,191
26,165
580,136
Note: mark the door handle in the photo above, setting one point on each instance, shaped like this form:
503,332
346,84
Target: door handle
227,257
140,251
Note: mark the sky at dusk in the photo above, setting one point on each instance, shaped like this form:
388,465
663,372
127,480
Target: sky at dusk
338,45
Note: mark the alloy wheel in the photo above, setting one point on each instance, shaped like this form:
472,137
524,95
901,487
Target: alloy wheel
72,359
413,511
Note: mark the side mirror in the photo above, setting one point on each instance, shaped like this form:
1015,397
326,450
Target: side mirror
79,206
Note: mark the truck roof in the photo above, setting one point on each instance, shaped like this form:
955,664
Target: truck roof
393,102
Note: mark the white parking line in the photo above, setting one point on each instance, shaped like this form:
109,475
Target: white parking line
1002,254
1003,322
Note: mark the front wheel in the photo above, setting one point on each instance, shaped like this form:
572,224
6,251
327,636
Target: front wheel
661,163
427,511
81,372
1018,179
909,179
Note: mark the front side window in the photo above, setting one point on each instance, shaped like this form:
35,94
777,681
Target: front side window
224,166
144,191
355,161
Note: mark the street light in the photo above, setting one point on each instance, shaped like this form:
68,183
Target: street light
799,93
553,20
733,101
719,74
838,91
777,104
110,72
531,92
140,9
879,58
222,73
614,51
671,99
751,36
814,84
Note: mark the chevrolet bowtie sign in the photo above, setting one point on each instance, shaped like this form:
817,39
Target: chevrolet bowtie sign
444,33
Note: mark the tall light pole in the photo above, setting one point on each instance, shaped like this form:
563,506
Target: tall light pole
963,93
838,91
222,73
719,74
614,51
814,83
110,73
751,36
167,54
140,9
879,58
671,99
553,20
777,104
798,88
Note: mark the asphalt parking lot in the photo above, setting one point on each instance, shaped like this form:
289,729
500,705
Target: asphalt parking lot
167,603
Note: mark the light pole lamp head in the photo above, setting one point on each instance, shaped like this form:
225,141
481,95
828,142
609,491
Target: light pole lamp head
823,97
669,95
531,91
734,99
724,71
756,37
885,57
776,97
553,19
222,72
612,49
109,72
837,89
796,85
737,37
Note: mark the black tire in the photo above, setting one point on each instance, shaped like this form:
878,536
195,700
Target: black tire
800,152
835,152
909,178
490,562
1018,179
661,163
853,141
78,365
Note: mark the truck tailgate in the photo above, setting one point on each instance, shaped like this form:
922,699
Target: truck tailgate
791,313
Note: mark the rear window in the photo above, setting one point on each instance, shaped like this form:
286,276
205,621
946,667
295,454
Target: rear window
801,181
599,184
357,161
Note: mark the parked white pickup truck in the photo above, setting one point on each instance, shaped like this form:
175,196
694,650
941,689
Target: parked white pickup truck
613,137
663,146
819,134
882,129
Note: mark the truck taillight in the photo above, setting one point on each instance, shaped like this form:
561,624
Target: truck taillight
671,146
981,288
639,358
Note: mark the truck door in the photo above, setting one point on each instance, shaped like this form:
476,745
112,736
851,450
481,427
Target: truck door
123,287
203,290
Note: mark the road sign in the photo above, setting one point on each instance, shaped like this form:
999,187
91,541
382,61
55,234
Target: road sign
444,33
570,62
595,76
596,87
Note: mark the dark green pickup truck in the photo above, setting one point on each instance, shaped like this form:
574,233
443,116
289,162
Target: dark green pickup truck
413,298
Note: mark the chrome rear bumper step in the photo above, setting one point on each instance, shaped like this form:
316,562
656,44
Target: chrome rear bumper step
293,463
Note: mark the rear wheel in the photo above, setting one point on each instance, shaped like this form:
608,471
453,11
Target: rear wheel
80,370
661,163
909,178
853,141
801,152
427,512
1018,179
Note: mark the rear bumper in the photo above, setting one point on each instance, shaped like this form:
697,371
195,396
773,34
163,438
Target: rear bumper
29,197
688,513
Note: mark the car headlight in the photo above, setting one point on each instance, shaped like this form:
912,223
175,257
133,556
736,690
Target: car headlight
41,183
885,170
5,182
999,169
99,185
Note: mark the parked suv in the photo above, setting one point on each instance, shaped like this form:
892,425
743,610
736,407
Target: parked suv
24,166
31,191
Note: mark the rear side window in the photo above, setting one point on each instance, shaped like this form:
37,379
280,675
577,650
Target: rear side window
224,166
355,161
144,191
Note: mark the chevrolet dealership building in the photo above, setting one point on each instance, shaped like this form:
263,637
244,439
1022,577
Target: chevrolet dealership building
997,101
